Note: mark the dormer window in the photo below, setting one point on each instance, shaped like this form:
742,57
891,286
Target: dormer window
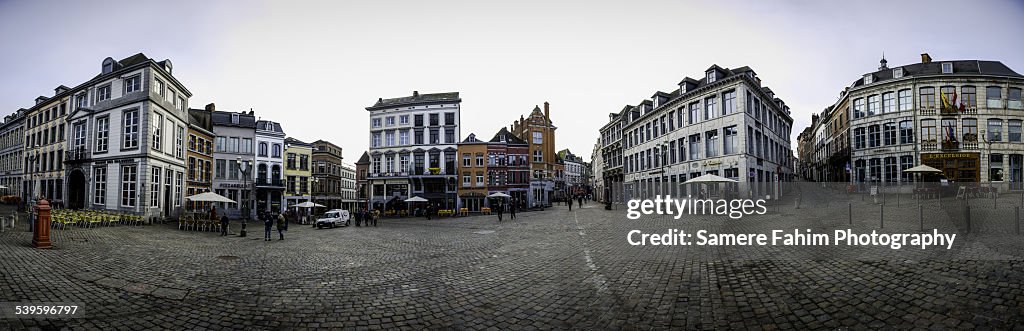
234,118
947,68
897,73
108,66
711,76
868,79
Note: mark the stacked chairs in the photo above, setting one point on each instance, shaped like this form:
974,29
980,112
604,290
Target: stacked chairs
194,223
92,218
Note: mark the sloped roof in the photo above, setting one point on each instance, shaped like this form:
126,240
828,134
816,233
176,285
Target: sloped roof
504,136
960,67
364,159
223,118
416,99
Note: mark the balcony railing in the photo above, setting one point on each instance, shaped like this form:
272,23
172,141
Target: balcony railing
958,111
77,155
950,145
269,182
928,145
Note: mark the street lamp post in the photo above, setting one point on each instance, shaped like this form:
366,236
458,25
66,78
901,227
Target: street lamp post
30,199
312,198
245,168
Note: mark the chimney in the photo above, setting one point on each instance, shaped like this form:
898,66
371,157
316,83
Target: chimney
925,58
211,107
547,111
415,94
380,100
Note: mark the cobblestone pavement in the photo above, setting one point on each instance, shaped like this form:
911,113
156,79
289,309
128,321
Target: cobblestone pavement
555,269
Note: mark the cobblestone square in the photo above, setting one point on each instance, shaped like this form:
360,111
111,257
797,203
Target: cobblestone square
552,269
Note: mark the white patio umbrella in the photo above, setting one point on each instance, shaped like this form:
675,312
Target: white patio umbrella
499,195
710,178
308,204
416,199
922,169
209,197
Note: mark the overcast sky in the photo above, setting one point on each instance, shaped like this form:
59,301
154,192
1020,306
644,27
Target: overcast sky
315,66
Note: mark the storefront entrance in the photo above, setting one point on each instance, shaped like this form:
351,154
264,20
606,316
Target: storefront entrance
958,167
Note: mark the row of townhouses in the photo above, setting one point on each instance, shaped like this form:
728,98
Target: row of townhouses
962,117
415,150
127,141
725,123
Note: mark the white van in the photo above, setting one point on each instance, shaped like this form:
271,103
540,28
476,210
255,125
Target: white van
332,218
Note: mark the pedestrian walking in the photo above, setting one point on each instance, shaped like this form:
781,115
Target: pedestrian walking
282,226
579,199
359,217
500,210
213,212
224,225
376,217
268,223
569,203
429,209
512,210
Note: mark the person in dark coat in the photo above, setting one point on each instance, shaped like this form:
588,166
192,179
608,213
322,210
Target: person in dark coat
359,217
224,225
500,210
268,223
569,202
512,210
430,208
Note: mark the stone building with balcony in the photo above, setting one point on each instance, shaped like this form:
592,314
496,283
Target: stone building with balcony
413,150
508,167
612,174
269,172
362,189
126,143
234,133
962,117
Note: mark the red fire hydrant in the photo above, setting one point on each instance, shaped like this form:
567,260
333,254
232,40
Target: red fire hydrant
41,236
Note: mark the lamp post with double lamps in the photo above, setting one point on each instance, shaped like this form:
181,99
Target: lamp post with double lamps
312,198
245,167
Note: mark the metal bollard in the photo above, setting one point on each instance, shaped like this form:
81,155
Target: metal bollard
881,216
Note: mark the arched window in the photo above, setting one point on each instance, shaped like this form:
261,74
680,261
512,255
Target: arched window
108,65
275,173
261,172
263,149
277,151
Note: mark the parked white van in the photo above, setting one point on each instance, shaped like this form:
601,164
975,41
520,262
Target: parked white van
332,218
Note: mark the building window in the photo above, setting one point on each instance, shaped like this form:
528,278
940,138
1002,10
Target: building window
154,187
694,115
538,156
179,145
103,93
389,138
729,102
418,120
970,130
466,160
682,149
130,137
263,149
875,168
80,100
403,137
730,144
897,73
156,122
1013,100
403,163
905,100
968,97
99,190
479,159
389,121
466,179
995,130
1014,130
479,178
858,138
874,136
177,188
858,108
709,108
872,105
376,165
389,163
694,147
711,143
375,122
888,102
449,136
374,143
995,170
891,174
711,77
404,119
538,137
889,133
928,134
275,151
433,119
994,97
947,67
132,84
927,98
78,137
449,118
129,176
434,137
906,162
